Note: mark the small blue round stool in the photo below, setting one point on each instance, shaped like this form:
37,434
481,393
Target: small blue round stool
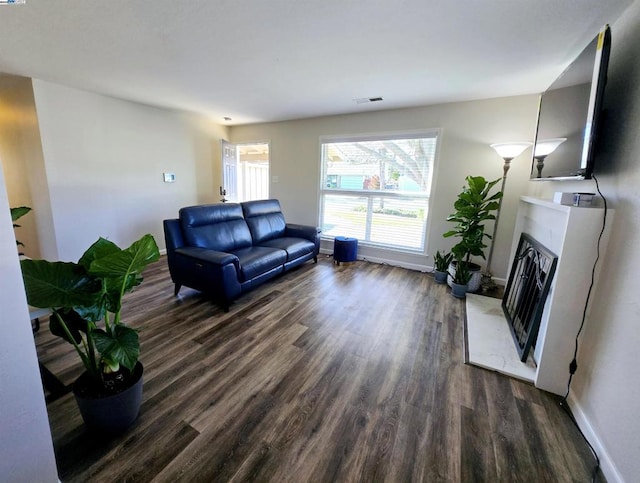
345,249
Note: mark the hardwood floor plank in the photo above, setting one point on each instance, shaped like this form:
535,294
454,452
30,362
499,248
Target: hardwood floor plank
514,463
478,458
328,373
215,453
534,439
163,440
578,457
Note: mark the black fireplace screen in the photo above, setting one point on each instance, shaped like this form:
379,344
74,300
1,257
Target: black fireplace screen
529,282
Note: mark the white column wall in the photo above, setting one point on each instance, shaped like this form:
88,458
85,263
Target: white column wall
26,449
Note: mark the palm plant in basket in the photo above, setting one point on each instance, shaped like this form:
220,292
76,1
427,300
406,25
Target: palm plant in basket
86,303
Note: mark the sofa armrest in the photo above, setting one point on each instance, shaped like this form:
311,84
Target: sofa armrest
307,232
209,271
208,256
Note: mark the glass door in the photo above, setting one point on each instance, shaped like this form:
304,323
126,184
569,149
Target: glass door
245,169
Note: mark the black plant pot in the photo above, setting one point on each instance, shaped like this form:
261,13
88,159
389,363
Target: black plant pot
111,414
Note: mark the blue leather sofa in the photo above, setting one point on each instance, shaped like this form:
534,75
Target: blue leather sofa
224,250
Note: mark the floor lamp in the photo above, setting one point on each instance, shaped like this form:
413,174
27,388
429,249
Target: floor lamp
506,151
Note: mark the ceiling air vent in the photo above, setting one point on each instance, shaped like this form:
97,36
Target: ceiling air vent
365,100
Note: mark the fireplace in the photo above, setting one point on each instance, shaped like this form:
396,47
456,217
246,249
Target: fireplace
571,233
529,282
543,230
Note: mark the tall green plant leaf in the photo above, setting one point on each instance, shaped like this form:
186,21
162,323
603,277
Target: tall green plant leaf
121,268
476,183
75,325
126,262
100,249
120,347
59,285
489,185
19,212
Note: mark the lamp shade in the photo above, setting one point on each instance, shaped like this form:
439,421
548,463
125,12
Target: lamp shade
545,147
510,150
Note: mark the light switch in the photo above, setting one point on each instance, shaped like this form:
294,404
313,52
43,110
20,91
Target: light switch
169,177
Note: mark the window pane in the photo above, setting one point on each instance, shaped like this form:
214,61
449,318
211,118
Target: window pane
377,189
387,165
344,216
399,222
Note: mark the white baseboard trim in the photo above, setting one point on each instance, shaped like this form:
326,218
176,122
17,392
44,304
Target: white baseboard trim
606,463
163,251
410,266
396,263
500,281
384,261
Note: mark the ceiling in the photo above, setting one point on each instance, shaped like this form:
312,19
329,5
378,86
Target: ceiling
271,60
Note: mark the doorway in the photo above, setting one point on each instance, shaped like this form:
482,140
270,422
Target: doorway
245,171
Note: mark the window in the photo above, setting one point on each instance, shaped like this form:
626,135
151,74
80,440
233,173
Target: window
376,188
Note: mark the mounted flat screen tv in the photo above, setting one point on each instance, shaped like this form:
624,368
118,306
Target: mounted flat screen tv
569,114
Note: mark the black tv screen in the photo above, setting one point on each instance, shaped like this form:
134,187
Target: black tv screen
568,115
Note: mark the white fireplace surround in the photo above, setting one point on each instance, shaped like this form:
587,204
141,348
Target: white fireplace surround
572,234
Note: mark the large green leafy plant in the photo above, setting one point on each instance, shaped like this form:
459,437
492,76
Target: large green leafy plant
474,206
86,303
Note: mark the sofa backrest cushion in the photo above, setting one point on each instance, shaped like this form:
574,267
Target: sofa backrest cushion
265,219
216,227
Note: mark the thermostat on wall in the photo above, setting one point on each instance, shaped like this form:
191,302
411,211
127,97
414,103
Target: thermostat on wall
169,177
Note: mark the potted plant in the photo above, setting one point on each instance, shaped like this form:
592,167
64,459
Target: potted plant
442,262
86,303
460,279
17,213
474,206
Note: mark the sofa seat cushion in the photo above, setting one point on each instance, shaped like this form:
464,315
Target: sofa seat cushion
255,261
295,247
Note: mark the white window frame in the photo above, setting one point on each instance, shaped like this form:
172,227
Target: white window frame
385,194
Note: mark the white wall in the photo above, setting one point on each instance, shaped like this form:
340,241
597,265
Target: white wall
606,389
467,130
104,159
26,450
21,157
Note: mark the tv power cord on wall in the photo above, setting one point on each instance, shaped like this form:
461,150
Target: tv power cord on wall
573,366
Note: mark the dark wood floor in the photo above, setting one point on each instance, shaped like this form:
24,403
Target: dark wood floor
349,373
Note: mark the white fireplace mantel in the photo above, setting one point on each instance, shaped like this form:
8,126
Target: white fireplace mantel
572,234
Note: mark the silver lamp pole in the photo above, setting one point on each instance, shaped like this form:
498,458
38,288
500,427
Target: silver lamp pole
506,151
